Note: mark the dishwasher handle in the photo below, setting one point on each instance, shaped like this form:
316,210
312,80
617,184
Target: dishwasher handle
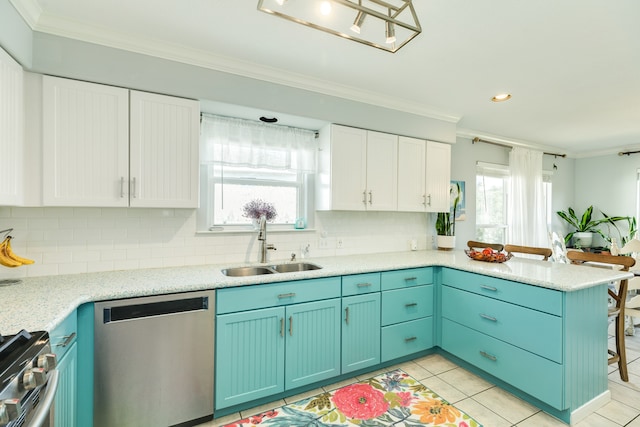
160,308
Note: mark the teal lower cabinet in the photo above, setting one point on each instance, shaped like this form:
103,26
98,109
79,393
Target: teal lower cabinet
407,312
548,346
63,344
264,351
360,331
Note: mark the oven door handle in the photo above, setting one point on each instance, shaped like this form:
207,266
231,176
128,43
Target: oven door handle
46,404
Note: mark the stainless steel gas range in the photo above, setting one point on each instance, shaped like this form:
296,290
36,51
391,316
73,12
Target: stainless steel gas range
28,380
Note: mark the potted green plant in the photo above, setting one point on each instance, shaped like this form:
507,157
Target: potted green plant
623,239
446,223
584,226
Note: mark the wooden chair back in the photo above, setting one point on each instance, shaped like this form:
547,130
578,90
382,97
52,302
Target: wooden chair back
472,244
545,253
619,296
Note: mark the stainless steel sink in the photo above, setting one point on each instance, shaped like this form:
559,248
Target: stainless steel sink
247,271
295,266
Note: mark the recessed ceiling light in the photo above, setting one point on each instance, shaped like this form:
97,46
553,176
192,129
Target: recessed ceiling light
501,97
325,8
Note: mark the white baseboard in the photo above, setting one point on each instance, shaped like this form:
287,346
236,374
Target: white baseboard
590,407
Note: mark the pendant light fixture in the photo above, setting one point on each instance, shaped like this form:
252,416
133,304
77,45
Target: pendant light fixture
389,24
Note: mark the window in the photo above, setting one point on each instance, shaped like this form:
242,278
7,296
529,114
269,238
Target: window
242,160
492,196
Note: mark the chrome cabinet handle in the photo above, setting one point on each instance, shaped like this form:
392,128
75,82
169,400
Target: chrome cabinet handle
486,316
67,340
424,200
363,285
370,198
122,187
408,279
411,304
489,288
488,356
282,326
289,295
346,315
410,339
290,326
429,200
133,187
364,197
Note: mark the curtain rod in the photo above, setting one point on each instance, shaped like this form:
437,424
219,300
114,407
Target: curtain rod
627,153
476,139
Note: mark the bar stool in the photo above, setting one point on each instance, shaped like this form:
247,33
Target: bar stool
545,253
620,296
472,244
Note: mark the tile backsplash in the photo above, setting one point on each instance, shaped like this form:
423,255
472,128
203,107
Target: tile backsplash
81,240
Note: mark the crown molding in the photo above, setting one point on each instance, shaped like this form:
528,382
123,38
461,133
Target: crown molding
41,22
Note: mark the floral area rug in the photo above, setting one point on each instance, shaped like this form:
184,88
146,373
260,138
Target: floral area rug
390,399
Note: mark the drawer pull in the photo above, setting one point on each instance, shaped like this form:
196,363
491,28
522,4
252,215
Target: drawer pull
363,285
411,304
282,326
289,295
410,339
67,340
486,316
290,326
489,288
346,315
408,279
488,356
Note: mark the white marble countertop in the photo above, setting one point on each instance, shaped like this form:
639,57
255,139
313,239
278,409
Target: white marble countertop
41,303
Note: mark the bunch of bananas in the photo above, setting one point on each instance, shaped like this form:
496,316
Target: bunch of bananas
8,258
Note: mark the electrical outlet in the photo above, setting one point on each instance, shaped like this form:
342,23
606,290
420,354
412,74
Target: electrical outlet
323,243
339,243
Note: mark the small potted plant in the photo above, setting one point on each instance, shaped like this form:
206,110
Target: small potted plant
446,224
584,227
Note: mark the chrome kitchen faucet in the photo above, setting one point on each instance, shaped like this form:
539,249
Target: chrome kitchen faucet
262,236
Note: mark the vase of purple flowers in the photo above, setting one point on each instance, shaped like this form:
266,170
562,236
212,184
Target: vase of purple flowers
257,208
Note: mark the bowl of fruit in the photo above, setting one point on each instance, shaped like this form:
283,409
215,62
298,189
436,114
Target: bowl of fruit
487,255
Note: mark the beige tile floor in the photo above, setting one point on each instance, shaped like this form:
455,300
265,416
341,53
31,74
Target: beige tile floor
492,406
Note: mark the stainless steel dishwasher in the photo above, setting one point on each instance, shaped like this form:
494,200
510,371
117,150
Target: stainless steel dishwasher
153,360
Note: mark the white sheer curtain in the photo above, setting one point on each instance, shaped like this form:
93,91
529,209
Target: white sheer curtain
238,142
527,225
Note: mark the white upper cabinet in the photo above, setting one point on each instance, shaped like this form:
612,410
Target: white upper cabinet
97,151
438,177
424,171
11,130
357,170
164,151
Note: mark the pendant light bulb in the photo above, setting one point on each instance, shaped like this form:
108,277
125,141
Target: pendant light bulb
391,33
280,2
358,22
325,8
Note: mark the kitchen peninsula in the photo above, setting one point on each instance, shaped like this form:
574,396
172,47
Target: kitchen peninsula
554,314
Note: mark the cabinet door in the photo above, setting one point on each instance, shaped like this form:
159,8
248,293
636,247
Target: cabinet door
312,343
65,400
85,143
382,171
360,331
249,356
11,130
348,168
164,151
438,176
412,195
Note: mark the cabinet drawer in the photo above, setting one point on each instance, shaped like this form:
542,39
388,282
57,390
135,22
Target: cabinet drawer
406,338
400,305
358,284
405,278
547,300
532,330
64,335
535,375
242,298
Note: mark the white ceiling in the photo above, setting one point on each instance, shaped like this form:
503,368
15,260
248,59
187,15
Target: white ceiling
573,66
